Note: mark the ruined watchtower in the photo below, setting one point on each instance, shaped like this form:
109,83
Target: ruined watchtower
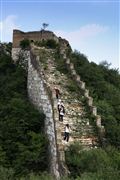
32,36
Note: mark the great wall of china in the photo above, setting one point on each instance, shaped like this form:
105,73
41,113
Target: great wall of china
41,93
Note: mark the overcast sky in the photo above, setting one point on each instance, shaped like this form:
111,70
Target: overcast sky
91,27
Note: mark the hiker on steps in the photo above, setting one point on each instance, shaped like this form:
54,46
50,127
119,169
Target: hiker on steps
57,91
61,113
59,105
67,133
61,109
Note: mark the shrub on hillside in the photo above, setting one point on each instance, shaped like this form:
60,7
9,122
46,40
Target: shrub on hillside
97,162
25,43
23,145
50,43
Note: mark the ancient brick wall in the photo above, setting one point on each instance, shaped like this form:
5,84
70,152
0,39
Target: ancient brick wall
32,36
39,96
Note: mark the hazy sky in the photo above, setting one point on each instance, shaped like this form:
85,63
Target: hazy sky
91,27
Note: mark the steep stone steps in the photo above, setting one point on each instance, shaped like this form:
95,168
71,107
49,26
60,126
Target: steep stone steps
75,114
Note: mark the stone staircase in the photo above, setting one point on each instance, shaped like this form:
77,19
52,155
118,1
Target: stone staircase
75,112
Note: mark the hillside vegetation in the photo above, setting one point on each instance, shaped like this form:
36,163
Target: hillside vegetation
23,145
104,86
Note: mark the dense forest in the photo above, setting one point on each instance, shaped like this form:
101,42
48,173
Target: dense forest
23,145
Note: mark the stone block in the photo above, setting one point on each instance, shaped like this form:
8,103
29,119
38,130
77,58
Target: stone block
44,97
94,110
73,72
90,101
82,85
71,66
98,121
86,93
68,61
64,56
77,78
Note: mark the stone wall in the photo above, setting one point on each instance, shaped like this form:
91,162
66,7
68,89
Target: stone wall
39,95
21,57
15,53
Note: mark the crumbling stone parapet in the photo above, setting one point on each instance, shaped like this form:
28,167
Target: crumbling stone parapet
93,109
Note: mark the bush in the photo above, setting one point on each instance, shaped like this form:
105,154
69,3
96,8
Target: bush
6,173
94,162
50,43
25,44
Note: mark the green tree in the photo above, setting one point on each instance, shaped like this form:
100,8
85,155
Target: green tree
45,25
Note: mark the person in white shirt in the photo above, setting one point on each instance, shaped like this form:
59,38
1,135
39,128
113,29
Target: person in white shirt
67,132
59,105
61,113
61,109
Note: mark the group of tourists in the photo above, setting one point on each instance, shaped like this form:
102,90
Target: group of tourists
61,111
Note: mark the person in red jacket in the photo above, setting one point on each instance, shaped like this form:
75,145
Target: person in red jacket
57,91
